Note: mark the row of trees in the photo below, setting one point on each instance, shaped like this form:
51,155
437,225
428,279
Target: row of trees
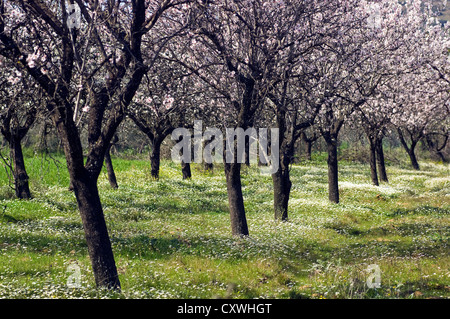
305,67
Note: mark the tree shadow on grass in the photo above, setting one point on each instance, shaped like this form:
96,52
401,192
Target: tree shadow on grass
122,211
46,244
424,210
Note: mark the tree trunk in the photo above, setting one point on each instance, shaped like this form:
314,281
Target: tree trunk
333,188
308,149
97,238
281,191
435,148
308,142
110,169
281,181
186,170
155,158
247,151
85,188
20,174
208,166
442,157
410,150
373,162
236,200
380,161
412,156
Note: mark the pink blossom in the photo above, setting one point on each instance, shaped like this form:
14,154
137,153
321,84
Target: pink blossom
31,59
13,80
168,102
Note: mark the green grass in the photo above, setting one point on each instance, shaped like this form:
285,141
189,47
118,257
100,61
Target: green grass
172,238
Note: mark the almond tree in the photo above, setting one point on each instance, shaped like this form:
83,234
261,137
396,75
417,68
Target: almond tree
333,82
92,64
409,45
317,81
165,101
344,78
308,137
19,104
422,111
300,33
387,39
245,51
437,139
381,45
226,51
421,95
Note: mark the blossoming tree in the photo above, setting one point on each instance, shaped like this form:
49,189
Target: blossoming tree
92,62
19,107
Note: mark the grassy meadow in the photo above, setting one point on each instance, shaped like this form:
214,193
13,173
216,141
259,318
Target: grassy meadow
172,239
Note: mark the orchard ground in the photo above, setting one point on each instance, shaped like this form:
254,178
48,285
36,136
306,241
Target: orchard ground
172,239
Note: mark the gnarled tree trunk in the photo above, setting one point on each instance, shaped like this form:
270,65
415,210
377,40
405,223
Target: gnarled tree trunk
186,170
308,141
96,233
436,147
14,134
84,183
281,190
410,150
21,184
412,157
380,160
281,180
373,161
236,200
155,157
110,169
332,161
